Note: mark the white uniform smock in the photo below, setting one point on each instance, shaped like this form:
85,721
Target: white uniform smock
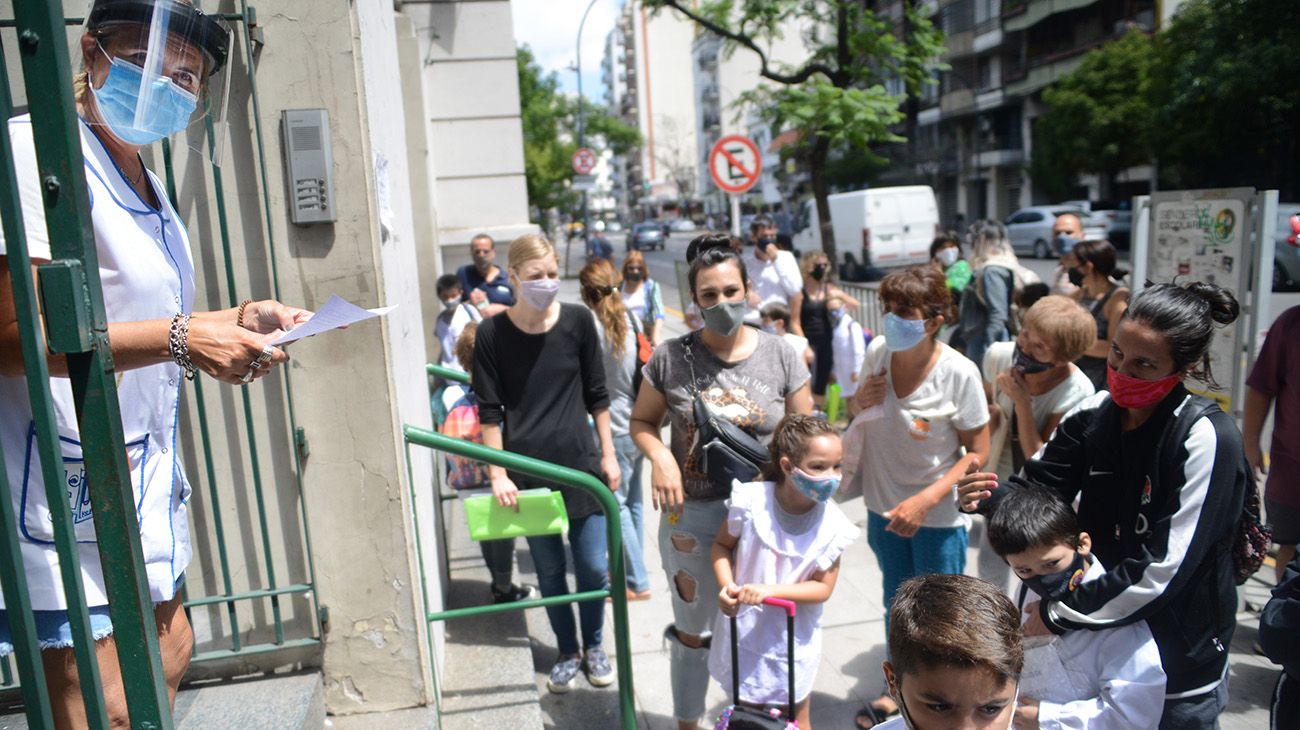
147,273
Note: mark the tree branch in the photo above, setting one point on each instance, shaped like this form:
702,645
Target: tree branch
765,70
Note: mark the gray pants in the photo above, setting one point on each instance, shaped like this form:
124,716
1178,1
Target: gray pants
1197,712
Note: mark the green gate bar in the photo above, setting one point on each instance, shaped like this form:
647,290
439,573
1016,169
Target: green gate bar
76,326
613,533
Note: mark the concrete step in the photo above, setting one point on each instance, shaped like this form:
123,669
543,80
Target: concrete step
293,701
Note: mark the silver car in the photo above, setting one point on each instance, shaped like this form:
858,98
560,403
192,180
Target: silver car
1286,250
1030,229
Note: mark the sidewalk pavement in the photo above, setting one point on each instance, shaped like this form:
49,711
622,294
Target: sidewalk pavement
853,643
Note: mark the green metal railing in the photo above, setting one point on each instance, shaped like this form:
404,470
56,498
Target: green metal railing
558,475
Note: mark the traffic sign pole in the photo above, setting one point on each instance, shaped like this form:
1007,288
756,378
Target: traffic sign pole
735,215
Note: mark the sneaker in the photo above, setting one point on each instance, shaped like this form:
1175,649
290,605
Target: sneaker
563,674
596,665
513,593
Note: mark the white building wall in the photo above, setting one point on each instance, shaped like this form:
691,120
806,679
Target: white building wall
665,95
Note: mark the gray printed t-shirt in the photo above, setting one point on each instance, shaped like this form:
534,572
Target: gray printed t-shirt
749,393
618,377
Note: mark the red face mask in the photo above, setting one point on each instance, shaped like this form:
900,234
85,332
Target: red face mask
1130,392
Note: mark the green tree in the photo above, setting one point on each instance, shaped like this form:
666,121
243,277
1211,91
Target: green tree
550,123
838,98
1227,96
1099,117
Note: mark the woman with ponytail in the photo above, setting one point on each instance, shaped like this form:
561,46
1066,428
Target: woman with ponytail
617,329
1161,477
1102,294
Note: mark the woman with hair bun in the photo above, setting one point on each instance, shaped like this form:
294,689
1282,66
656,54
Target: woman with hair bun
1161,478
1102,294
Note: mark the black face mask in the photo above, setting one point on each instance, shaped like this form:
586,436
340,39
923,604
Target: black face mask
819,272
1026,364
1058,585
765,241
1076,277
634,276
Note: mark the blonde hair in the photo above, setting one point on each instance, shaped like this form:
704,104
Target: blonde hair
599,283
635,257
1064,324
810,259
528,247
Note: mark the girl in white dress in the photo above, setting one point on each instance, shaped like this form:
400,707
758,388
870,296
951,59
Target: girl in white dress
782,539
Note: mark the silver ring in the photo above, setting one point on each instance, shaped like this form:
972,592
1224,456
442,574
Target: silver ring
265,357
247,377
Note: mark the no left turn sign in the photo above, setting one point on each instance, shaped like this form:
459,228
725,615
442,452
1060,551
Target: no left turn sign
735,163
584,160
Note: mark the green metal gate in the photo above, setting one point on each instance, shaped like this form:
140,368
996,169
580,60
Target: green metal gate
225,599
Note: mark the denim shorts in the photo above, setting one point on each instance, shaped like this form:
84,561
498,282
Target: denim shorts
54,628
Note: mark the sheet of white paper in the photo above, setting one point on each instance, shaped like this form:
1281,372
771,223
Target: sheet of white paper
336,313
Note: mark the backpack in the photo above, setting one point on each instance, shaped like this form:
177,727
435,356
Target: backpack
1250,539
462,423
644,349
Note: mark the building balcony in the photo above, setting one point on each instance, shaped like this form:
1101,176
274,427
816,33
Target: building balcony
958,101
1021,14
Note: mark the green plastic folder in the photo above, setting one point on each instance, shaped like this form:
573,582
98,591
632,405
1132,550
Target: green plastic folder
541,512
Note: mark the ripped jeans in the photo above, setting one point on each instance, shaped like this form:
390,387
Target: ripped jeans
684,548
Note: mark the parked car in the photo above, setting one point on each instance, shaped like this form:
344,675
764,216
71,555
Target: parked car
614,227
1030,229
1286,250
1113,218
645,236
682,225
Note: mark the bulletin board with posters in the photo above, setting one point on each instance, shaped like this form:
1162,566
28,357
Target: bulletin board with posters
1220,237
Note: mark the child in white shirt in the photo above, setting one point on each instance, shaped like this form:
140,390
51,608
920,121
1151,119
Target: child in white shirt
782,539
452,319
776,320
1102,680
848,346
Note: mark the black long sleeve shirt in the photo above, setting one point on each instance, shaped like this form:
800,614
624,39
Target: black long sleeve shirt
539,388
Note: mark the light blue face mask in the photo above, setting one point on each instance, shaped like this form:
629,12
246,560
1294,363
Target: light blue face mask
167,107
902,334
818,488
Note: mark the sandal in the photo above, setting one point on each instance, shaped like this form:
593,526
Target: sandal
872,713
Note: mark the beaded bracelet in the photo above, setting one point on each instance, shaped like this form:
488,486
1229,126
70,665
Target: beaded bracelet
178,344
239,317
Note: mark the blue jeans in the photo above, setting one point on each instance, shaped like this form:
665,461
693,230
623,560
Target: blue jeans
587,539
630,511
930,550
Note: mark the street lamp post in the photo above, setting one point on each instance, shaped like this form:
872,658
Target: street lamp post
582,124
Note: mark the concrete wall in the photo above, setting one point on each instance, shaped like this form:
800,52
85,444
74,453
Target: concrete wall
351,390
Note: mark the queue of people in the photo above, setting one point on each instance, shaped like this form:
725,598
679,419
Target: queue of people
1099,512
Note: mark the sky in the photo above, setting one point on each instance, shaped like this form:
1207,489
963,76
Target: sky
550,28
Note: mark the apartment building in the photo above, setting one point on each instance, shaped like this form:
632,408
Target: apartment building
971,135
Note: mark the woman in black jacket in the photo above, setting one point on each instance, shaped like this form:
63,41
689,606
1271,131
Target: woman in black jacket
1161,476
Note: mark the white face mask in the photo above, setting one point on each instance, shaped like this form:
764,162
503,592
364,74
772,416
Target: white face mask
947,256
539,293
450,303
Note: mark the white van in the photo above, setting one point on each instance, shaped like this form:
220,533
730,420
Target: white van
883,227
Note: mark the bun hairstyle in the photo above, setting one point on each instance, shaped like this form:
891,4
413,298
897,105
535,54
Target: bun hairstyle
712,249
1185,314
790,439
1101,254
599,283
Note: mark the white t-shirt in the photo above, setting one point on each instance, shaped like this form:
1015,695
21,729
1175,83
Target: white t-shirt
916,440
1059,399
775,280
776,549
848,350
636,303
450,325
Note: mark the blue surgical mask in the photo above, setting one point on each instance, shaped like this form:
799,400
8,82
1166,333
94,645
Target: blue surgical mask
1063,243
168,110
817,488
902,334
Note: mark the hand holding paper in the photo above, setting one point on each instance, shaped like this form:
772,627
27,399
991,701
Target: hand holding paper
337,312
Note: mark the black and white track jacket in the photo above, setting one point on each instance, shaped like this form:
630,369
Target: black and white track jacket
1161,504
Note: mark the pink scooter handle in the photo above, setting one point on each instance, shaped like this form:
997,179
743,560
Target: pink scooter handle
789,606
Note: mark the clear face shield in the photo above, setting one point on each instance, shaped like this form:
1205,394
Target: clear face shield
157,69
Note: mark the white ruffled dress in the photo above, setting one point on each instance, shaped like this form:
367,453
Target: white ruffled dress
768,553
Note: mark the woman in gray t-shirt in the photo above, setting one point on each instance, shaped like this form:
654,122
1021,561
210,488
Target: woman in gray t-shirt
750,378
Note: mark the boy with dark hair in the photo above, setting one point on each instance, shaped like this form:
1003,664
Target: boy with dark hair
1095,679
452,319
955,654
